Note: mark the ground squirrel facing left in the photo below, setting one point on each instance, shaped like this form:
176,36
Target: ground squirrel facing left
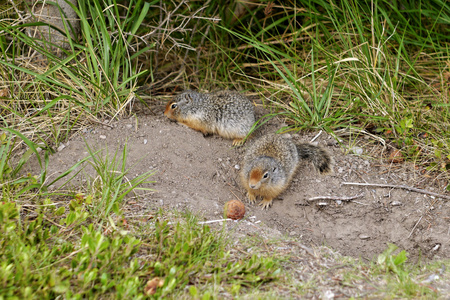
226,113
271,162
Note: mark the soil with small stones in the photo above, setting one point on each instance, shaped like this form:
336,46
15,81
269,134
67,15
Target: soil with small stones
201,174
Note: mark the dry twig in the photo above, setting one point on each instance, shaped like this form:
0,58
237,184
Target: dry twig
392,186
336,198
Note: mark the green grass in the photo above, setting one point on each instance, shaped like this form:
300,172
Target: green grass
349,65
379,66
79,244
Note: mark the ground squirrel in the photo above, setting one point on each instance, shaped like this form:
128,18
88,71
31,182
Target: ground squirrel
270,163
226,113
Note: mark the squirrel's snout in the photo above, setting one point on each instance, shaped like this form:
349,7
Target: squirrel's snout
254,186
169,115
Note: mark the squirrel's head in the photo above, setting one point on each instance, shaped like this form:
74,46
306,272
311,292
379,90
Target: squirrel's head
265,171
181,101
171,109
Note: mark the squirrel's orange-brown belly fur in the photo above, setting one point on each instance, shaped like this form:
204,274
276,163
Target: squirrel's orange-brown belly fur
197,125
226,132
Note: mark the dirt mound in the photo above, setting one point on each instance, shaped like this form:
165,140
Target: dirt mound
201,174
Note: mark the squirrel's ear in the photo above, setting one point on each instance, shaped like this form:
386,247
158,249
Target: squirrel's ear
188,98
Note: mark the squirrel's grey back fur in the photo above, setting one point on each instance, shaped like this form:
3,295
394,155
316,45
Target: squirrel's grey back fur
224,111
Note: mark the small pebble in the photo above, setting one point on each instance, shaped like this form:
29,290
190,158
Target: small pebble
128,126
237,167
328,295
364,237
436,247
145,141
356,150
61,147
103,137
332,142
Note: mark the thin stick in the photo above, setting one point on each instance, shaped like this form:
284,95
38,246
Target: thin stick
307,249
233,192
405,187
314,138
357,202
101,123
214,221
207,222
343,198
415,227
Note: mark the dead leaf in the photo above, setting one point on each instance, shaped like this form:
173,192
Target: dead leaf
4,92
152,285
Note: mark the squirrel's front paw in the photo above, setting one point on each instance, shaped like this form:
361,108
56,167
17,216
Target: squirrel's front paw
266,203
251,197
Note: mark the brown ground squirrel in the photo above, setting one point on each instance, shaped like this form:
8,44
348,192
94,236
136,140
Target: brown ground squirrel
270,163
226,113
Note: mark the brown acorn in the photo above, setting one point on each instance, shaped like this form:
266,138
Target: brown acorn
234,209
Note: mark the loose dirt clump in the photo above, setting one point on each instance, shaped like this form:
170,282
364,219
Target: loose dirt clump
201,174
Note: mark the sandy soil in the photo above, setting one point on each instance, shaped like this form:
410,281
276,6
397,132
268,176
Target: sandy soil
201,174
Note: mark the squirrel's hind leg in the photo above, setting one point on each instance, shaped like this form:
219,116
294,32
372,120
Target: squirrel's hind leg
238,142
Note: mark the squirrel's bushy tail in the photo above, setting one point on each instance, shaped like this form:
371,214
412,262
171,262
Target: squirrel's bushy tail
320,158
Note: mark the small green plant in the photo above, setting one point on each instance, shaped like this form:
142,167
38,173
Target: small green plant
111,184
13,185
199,255
395,264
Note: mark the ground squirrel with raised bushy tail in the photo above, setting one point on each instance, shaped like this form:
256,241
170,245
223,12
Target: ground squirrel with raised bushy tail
271,162
227,113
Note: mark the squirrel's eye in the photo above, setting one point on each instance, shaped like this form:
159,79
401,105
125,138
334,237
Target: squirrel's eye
173,106
266,175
